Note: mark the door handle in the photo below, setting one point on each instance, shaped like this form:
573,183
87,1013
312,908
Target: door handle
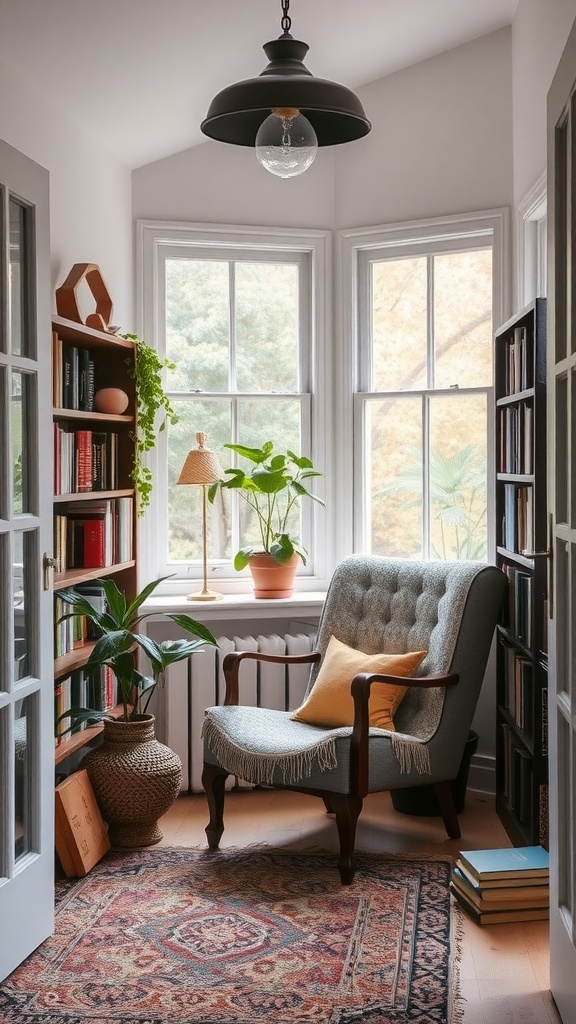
48,563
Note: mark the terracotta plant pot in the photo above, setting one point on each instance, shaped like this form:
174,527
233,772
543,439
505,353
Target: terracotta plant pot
271,579
113,401
135,779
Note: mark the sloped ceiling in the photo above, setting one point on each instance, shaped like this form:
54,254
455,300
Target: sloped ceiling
140,74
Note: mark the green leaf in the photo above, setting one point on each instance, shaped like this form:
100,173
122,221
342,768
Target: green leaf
192,626
242,558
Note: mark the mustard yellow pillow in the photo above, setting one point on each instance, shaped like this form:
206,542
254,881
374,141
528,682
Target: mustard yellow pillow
330,702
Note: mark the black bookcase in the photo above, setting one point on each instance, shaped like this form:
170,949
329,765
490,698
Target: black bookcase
522,547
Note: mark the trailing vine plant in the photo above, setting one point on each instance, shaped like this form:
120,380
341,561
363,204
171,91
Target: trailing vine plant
146,372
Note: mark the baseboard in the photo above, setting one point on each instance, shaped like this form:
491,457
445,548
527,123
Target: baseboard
482,774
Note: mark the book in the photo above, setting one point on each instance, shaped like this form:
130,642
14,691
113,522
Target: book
81,835
83,445
94,543
506,862
498,883
504,898
507,916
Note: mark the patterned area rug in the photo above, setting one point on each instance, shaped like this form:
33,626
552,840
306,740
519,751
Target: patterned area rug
175,936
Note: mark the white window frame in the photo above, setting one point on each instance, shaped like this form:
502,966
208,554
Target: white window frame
156,240
485,228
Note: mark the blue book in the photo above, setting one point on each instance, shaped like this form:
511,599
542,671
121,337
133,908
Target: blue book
508,862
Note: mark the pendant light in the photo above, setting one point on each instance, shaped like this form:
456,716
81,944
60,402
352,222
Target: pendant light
285,113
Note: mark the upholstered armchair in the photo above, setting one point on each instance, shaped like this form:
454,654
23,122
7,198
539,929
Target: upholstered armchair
402,648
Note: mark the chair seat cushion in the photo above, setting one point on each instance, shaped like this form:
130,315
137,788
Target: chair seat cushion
267,747
253,742
330,702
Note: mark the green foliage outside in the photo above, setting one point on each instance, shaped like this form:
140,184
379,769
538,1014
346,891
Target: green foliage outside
261,365
457,498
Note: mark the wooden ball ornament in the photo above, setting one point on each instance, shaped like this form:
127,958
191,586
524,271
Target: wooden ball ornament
113,401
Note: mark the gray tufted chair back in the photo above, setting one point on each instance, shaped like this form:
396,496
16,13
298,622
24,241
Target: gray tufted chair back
395,605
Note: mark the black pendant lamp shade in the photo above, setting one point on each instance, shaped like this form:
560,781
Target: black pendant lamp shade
236,113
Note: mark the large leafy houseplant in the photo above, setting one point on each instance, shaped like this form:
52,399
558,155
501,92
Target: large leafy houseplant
272,487
118,643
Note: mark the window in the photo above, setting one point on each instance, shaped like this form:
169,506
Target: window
426,302
235,316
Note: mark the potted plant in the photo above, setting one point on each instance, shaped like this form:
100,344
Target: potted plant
135,778
272,487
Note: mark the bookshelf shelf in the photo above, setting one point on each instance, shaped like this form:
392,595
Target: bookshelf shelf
92,417
104,443
521,532
80,739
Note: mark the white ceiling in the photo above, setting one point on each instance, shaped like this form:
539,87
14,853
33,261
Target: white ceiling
140,74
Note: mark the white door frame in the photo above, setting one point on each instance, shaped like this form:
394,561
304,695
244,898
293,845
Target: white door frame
26,687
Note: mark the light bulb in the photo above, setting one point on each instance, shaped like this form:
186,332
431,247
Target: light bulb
286,142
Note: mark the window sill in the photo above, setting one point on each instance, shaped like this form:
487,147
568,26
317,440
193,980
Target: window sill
237,606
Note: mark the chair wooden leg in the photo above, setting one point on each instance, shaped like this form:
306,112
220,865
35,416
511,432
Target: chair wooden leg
328,805
213,780
347,809
445,797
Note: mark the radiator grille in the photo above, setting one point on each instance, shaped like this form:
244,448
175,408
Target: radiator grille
198,683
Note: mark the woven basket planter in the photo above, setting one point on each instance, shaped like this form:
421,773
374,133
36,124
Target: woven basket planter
135,778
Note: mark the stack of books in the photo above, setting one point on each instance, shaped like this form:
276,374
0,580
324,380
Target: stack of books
504,885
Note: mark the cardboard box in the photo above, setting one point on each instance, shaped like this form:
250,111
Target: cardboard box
81,835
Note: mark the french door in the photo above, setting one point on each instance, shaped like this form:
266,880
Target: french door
561,362
26,686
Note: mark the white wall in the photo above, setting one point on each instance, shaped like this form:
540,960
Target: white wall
441,139
539,33
90,191
221,184
441,143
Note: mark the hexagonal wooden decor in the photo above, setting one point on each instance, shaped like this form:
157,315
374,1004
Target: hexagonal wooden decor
67,296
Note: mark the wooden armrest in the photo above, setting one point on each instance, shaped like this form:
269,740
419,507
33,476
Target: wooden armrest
360,689
231,666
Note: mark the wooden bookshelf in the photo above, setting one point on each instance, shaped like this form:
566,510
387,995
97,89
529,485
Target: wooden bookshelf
108,355
522,544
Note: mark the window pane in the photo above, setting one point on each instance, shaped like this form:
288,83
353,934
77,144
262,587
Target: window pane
19,334
394,478
463,319
399,324
23,718
267,326
185,502
20,416
197,324
24,597
458,486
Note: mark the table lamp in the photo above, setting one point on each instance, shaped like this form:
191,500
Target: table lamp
202,468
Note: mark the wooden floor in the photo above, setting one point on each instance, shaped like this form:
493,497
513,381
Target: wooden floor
504,968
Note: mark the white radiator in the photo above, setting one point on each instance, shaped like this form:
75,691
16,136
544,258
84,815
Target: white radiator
198,683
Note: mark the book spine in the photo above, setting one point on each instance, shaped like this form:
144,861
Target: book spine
94,546
83,439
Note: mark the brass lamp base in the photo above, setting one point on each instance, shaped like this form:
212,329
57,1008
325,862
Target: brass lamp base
205,595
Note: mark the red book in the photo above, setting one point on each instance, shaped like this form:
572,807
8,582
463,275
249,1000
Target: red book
94,546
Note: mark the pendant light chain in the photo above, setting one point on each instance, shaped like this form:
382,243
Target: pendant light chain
286,22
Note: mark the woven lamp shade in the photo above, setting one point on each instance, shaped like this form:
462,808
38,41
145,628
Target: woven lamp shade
201,465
